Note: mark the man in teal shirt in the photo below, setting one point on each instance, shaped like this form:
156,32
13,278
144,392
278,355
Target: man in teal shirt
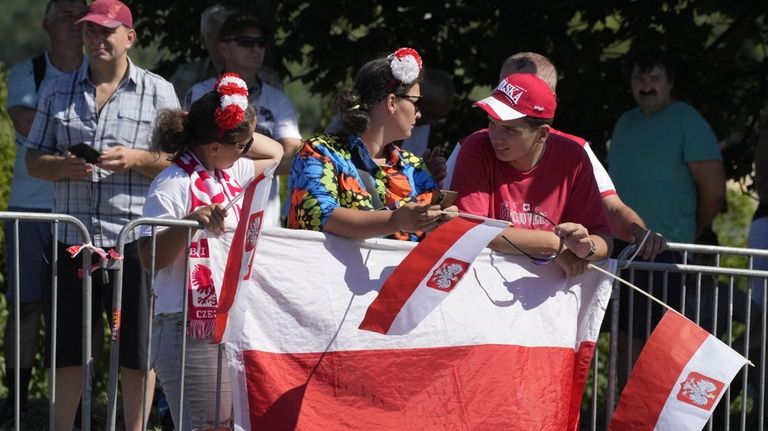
664,158
666,165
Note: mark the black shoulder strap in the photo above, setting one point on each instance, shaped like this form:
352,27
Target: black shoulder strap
38,68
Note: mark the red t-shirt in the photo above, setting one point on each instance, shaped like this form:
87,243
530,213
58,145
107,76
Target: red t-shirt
561,186
604,183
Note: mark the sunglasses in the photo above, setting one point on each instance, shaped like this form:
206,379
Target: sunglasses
537,259
416,100
243,147
248,41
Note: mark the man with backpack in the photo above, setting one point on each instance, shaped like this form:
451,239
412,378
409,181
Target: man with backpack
25,79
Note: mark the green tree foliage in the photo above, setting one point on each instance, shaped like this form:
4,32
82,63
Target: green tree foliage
20,21
721,48
7,155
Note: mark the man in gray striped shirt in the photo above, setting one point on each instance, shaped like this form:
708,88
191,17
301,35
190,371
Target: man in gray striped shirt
110,105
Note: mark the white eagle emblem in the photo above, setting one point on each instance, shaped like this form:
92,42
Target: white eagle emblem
252,232
447,275
700,391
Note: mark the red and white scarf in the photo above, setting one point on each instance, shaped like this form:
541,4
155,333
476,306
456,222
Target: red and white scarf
207,257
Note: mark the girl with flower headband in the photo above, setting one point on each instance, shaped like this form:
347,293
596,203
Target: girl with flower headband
215,152
337,178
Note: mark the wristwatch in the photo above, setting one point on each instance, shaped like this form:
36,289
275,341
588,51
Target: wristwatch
592,249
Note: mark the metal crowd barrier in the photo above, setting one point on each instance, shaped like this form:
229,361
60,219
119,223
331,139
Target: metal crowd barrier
87,364
718,298
116,301
711,296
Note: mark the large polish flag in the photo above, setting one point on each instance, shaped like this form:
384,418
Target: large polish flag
240,255
429,274
680,376
509,348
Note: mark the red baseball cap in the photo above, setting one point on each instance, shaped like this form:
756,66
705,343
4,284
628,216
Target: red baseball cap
108,13
520,95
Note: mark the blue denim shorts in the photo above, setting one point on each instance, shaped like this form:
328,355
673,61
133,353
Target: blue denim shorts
34,258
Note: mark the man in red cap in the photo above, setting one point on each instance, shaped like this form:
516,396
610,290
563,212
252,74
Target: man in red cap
110,105
516,170
626,224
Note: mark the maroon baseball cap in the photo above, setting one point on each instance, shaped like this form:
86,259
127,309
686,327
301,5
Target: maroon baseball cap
520,95
108,13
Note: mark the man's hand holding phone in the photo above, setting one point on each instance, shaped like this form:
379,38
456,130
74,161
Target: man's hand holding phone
85,152
75,168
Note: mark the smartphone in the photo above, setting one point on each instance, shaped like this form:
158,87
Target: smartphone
444,198
85,152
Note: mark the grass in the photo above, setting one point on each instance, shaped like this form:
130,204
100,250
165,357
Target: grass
36,417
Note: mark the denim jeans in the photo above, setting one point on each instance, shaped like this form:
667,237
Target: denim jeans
199,376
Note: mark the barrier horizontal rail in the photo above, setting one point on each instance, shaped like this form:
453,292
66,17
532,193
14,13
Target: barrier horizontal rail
691,269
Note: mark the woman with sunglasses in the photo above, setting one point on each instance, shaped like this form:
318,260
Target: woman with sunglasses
338,180
214,154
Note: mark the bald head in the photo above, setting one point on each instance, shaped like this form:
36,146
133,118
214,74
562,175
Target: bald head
530,62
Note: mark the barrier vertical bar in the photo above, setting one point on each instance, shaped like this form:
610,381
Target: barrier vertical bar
54,316
650,306
184,320
763,324
148,365
630,327
729,330
16,329
595,368
613,350
746,354
715,288
218,384
85,400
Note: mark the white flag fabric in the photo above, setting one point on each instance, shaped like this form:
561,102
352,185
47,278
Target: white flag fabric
680,376
243,248
509,348
429,274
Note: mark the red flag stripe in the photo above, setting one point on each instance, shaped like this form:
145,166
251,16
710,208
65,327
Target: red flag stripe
416,266
416,388
580,372
665,355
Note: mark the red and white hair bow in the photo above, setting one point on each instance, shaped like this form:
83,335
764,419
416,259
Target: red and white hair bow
233,94
405,64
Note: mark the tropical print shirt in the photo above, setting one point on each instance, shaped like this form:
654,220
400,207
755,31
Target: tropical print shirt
324,177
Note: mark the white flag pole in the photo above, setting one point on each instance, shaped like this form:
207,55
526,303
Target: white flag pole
471,216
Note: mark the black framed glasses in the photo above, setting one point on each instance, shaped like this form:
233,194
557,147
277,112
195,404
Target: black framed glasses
538,260
248,41
243,147
416,100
